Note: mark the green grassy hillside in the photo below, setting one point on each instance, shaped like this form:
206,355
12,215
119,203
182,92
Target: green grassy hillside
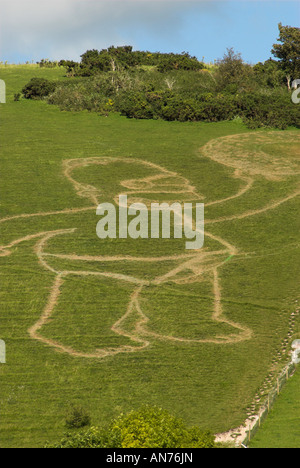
205,370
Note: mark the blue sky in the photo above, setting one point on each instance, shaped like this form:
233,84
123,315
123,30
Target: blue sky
55,29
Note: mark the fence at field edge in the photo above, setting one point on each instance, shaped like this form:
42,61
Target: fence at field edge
272,397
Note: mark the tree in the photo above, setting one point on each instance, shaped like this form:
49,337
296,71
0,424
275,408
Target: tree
232,72
288,52
269,74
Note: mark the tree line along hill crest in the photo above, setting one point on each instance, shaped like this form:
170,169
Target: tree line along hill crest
178,87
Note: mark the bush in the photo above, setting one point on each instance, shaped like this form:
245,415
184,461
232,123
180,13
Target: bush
170,106
134,105
179,62
38,88
156,428
115,82
77,418
81,96
146,428
274,110
46,63
124,58
256,109
90,438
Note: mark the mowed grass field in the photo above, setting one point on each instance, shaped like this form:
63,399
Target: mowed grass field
186,368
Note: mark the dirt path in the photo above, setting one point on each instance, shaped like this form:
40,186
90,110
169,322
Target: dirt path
47,314
249,183
164,182
248,153
47,213
256,212
134,306
178,183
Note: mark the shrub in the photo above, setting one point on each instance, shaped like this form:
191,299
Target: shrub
275,110
46,63
179,62
134,105
120,58
90,438
171,106
187,92
38,88
156,428
77,418
145,428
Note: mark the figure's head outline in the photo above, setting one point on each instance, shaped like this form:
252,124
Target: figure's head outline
246,153
161,181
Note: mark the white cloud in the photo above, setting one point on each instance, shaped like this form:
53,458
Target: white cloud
66,28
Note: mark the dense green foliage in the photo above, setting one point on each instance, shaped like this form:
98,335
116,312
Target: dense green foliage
117,58
46,63
177,87
151,95
38,88
149,427
288,52
94,437
156,428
